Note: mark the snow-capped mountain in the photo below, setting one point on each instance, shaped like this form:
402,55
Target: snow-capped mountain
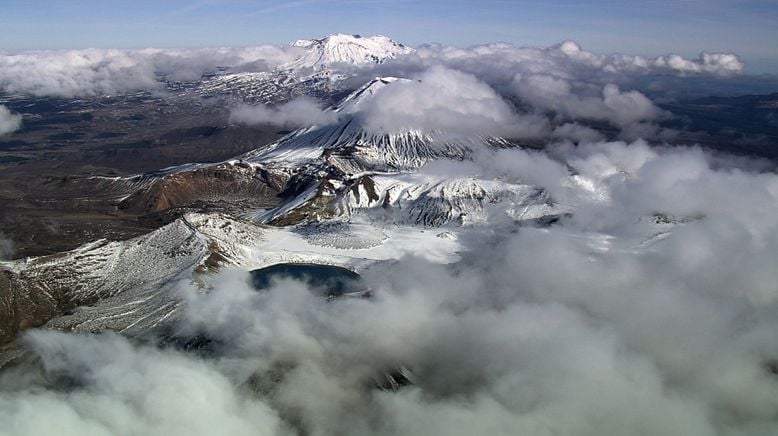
336,49
315,72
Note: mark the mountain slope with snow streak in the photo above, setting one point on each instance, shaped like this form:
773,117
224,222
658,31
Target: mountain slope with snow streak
414,199
352,148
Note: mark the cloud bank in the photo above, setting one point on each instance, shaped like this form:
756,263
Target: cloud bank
649,310
71,73
446,100
128,390
550,93
9,122
300,112
568,57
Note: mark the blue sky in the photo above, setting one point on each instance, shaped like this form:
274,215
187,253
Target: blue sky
648,27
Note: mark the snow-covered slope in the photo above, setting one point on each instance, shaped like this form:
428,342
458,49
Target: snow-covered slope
352,148
132,286
97,271
416,200
356,99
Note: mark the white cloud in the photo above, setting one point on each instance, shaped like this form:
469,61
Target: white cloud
300,112
442,99
715,64
69,73
128,390
575,84
547,92
9,121
719,64
500,62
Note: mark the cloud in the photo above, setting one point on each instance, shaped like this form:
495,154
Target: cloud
121,388
547,92
9,122
714,64
653,325
442,99
650,308
70,73
300,112
719,64
572,83
498,63
577,133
